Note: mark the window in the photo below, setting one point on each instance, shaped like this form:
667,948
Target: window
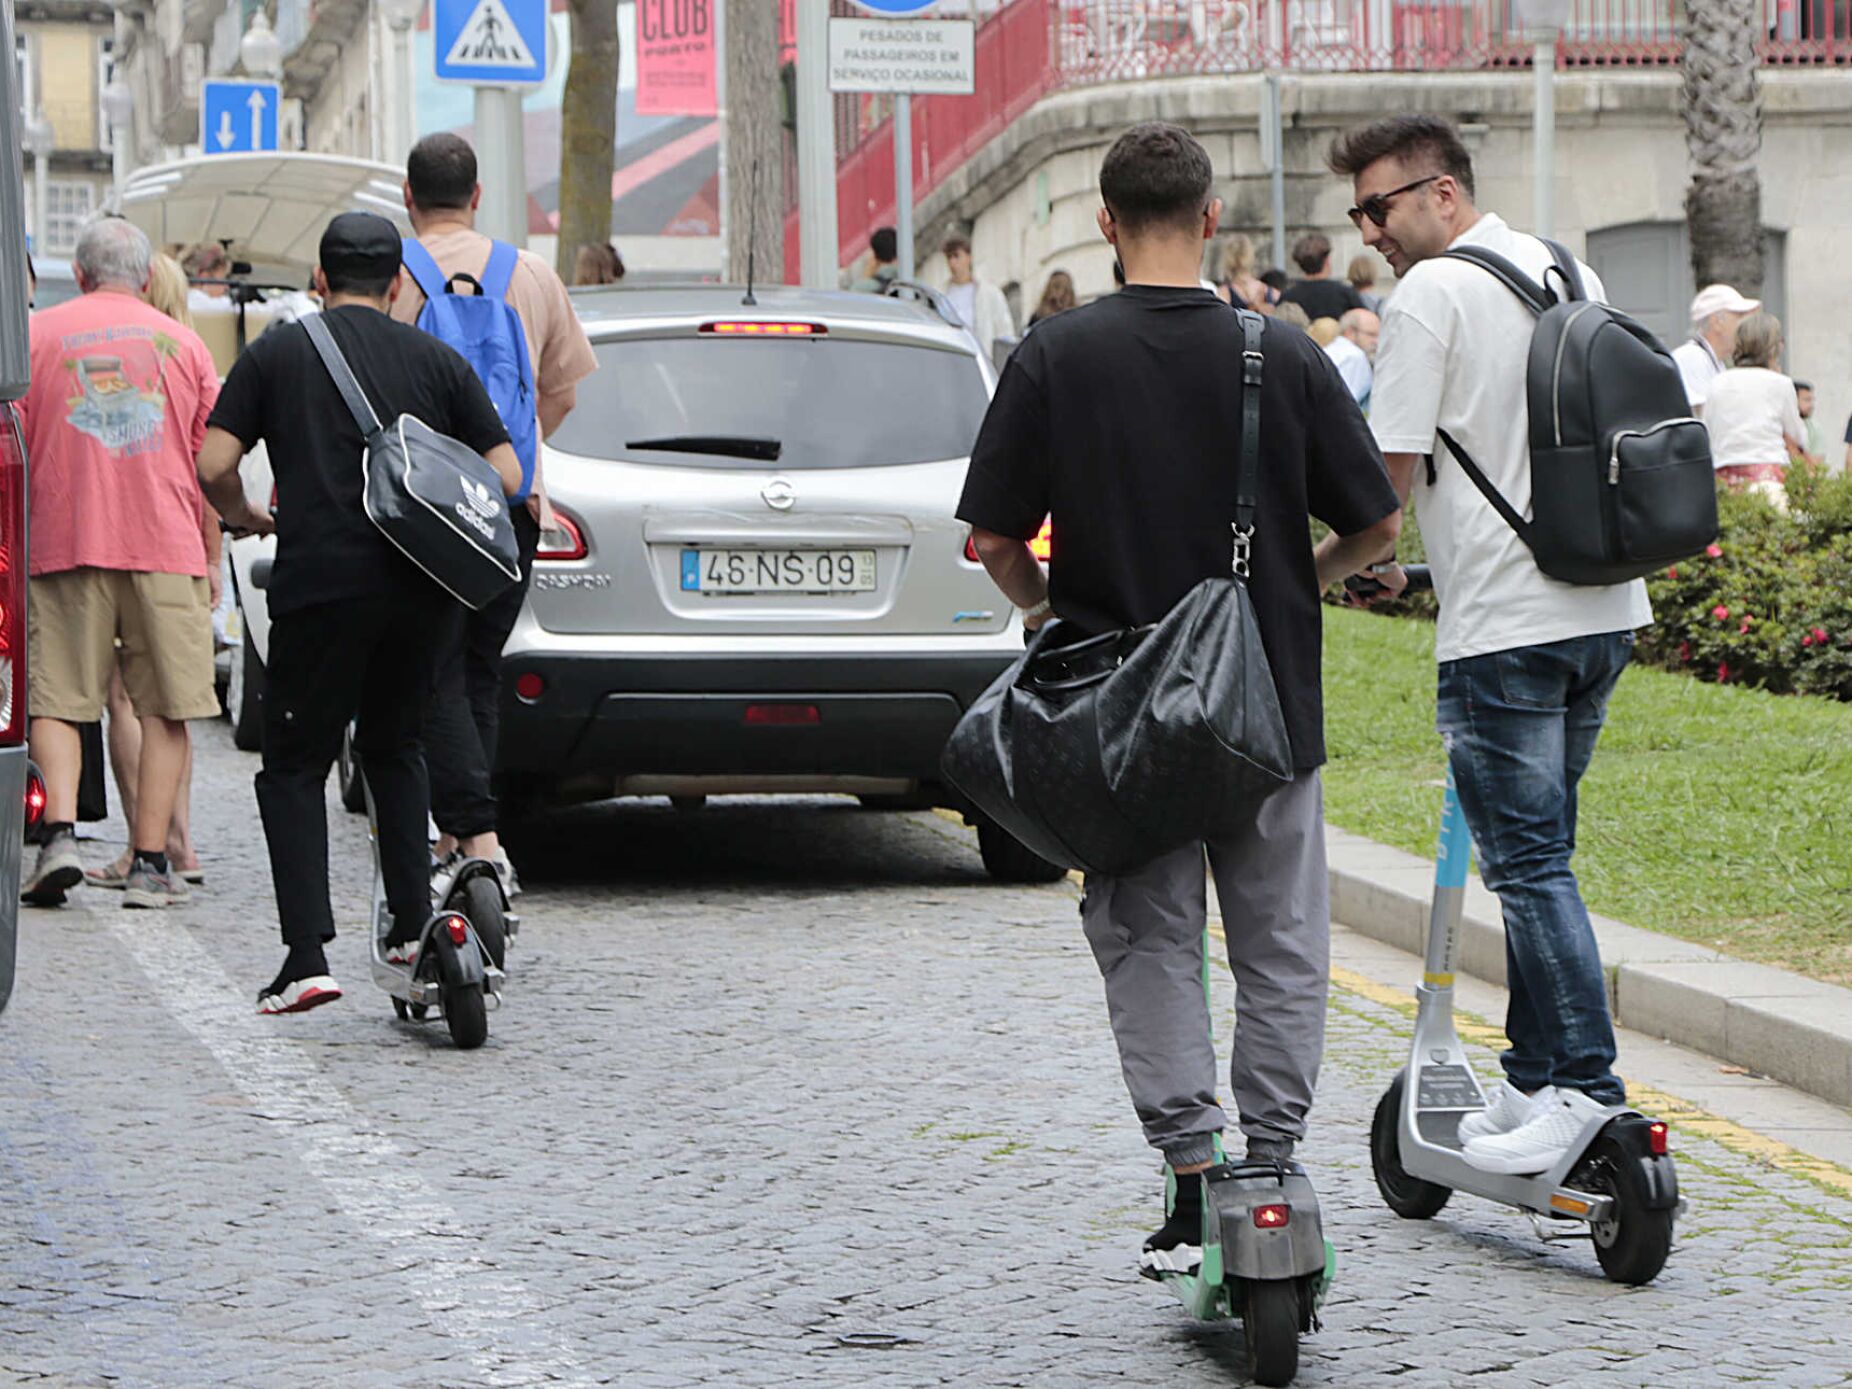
68,204
24,75
105,74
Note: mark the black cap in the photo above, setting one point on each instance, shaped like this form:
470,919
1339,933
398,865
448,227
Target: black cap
360,246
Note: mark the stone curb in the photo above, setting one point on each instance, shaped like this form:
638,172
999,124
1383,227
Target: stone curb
1794,1030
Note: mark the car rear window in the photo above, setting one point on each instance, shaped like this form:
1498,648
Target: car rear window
817,403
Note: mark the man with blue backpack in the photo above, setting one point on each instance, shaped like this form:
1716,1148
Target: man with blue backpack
509,315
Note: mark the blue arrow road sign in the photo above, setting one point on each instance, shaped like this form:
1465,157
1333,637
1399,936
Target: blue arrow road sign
491,43
238,117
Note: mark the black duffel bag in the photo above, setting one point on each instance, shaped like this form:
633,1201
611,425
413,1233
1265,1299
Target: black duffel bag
1104,752
435,498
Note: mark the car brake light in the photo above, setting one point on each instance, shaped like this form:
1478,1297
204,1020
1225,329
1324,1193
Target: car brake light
751,328
1272,1217
782,715
35,798
1041,547
12,582
1657,1139
563,540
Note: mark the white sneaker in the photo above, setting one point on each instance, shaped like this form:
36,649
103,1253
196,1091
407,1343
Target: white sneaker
1510,1107
444,876
1536,1145
504,869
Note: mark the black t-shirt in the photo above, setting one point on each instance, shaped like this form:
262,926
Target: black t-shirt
1323,298
280,392
1122,421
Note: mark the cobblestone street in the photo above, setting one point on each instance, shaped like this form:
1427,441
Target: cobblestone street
771,1080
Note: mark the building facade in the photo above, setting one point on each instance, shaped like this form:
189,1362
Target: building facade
63,55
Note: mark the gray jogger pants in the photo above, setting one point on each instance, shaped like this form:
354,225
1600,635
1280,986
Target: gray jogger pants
1146,930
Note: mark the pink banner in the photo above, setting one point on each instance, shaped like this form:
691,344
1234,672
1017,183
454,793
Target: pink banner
675,57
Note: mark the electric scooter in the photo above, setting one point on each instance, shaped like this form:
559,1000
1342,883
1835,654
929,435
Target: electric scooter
458,967
1616,1183
1265,1258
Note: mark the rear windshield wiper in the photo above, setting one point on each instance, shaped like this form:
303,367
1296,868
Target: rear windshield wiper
727,445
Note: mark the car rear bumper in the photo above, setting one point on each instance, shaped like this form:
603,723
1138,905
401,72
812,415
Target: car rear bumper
753,717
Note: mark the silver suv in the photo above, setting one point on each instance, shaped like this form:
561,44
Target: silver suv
757,583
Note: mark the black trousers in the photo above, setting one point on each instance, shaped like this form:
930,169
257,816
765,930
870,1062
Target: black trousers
462,721
367,657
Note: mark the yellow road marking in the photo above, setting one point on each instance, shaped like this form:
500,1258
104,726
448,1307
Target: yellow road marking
1682,1115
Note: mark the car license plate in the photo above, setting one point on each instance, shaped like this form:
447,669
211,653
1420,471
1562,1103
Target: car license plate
778,571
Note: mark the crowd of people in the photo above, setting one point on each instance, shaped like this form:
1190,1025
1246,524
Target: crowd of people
136,447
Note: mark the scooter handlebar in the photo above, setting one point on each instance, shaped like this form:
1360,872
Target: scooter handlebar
1420,578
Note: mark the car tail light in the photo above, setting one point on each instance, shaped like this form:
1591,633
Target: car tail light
782,715
1041,547
529,686
1272,1217
458,929
754,328
35,797
12,581
563,540
1657,1139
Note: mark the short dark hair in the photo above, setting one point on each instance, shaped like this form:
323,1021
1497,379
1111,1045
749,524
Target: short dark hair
1429,141
360,286
441,170
952,245
885,243
1274,278
1156,174
1801,385
1311,251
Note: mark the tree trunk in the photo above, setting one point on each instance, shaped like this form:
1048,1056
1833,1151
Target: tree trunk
1722,108
755,137
588,131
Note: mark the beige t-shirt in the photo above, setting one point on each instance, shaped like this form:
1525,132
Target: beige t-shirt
556,343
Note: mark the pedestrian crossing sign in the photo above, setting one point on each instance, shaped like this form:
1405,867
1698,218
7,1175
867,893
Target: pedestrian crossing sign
491,43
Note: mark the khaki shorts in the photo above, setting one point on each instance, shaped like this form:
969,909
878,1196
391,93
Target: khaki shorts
164,622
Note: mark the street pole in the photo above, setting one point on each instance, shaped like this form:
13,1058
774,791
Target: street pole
41,170
1544,132
903,182
1276,134
404,120
501,165
816,148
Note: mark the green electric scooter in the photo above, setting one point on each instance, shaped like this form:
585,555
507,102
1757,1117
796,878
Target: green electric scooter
1265,1259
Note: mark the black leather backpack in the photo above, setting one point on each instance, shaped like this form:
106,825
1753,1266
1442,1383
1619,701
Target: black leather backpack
1621,478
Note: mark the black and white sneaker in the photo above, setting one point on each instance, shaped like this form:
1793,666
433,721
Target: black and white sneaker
1176,1245
299,996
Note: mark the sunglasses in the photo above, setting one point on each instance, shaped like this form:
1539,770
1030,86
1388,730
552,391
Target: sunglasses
1376,206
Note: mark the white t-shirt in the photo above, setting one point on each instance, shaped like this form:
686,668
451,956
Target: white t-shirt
1698,366
1749,409
1353,364
964,302
1454,349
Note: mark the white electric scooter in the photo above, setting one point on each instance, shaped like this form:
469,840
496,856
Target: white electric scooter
1616,1183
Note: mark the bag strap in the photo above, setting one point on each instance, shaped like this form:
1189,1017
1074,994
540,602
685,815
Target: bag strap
423,267
1247,467
357,403
1567,270
1536,298
1484,484
498,274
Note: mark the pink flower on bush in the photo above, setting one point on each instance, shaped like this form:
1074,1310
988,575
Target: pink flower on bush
1723,673
1672,573
1684,651
1807,640
1714,551
1743,631
1819,636
1720,612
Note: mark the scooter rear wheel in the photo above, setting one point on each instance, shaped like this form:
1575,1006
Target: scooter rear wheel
1409,1197
1270,1321
466,1013
482,904
1632,1247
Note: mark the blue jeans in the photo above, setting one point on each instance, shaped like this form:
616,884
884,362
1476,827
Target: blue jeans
1520,727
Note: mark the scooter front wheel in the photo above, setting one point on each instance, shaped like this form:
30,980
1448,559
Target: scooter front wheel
1633,1245
1270,1321
1409,1197
466,1013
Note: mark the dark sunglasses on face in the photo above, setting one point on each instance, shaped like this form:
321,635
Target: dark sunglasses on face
1376,206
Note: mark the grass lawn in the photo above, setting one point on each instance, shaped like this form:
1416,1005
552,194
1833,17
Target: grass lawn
1717,814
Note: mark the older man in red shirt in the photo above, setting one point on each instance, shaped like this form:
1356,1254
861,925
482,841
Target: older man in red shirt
113,420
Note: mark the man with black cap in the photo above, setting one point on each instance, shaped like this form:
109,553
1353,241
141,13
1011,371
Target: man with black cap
354,625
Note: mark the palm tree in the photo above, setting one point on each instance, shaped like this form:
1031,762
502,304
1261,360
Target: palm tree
588,131
1722,107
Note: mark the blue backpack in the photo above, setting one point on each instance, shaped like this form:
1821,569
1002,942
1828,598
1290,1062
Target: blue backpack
485,328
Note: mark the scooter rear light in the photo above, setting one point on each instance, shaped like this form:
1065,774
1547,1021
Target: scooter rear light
458,929
1272,1217
1657,1139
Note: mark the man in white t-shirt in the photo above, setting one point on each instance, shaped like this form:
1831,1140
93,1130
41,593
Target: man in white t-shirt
1526,663
1353,350
1702,358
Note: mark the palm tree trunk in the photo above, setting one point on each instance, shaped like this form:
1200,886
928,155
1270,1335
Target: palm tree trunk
755,171
1722,107
588,131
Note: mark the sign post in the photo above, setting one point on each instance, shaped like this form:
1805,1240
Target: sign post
903,57
499,47
237,117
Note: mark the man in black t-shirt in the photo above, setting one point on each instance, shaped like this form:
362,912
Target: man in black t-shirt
1318,293
354,626
1122,420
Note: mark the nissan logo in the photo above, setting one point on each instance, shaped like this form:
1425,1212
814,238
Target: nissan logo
779,494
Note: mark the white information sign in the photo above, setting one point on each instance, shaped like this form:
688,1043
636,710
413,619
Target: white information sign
904,56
